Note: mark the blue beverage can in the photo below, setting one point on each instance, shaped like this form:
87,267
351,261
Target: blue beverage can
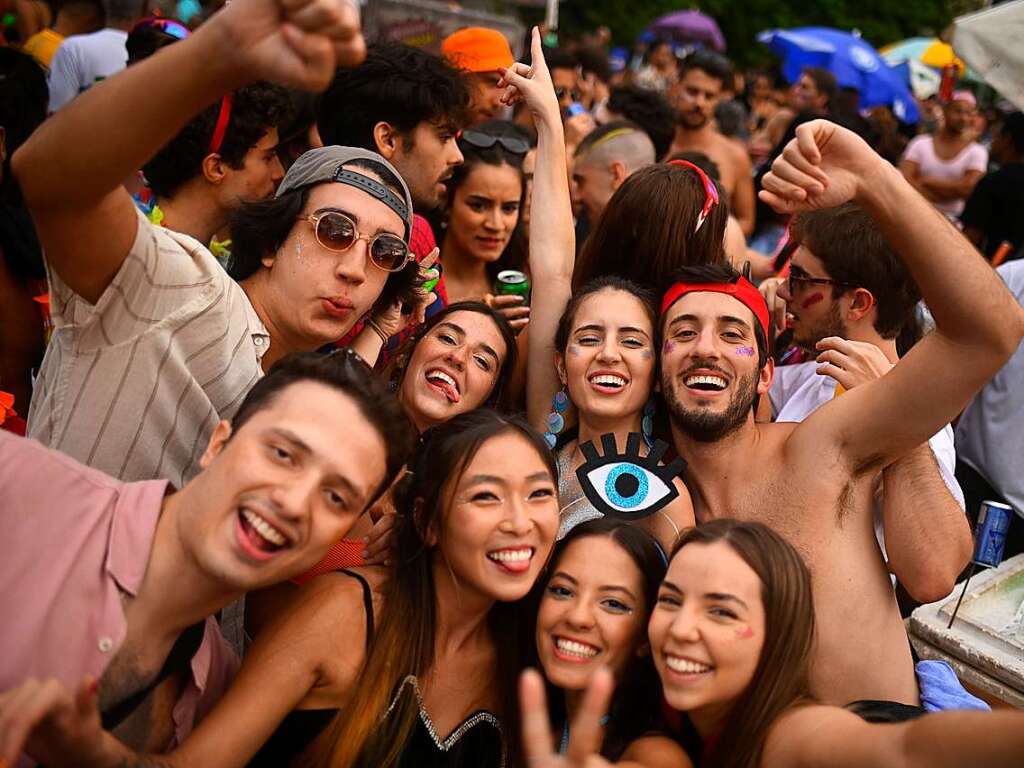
990,534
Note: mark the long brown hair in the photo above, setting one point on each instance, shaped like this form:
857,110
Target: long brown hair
649,229
782,676
364,732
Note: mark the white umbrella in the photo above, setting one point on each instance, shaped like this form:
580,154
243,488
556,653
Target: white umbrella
990,41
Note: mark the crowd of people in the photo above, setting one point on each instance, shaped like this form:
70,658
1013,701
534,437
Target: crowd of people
364,406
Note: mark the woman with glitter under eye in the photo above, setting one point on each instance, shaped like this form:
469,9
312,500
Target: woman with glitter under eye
605,362
594,602
593,350
731,635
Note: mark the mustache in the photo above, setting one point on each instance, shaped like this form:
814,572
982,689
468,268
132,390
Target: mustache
706,365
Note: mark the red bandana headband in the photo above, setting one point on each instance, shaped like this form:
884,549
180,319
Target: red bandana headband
742,290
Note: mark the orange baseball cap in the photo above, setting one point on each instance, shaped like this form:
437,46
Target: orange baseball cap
477,49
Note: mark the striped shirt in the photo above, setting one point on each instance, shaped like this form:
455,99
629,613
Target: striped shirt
134,384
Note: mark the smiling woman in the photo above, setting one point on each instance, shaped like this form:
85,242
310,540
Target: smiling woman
485,194
605,359
593,609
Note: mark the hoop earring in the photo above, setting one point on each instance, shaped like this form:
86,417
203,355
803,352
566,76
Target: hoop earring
556,422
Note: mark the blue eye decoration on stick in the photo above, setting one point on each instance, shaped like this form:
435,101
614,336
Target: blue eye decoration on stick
626,485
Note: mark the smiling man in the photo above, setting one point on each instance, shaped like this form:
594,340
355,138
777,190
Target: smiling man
813,481
154,343
118,582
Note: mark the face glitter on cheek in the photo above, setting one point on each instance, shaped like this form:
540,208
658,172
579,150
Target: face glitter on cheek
812,300
645,354
745,351
667,347
573,350
745,634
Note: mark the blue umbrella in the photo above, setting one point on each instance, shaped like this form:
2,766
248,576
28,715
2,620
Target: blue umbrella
854,63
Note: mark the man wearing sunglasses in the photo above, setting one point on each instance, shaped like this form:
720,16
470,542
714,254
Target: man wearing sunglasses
850,297
154,343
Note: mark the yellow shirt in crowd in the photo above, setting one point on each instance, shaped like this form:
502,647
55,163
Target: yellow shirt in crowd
42,45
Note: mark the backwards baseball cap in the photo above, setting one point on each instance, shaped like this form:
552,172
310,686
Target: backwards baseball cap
740,289
477,49
327,164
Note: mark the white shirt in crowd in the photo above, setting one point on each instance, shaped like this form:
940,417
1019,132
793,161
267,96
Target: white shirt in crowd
990,433
134,384
83,60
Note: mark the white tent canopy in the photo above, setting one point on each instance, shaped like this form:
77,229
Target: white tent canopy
991,42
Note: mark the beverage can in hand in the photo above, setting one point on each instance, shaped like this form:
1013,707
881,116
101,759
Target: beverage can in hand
512,282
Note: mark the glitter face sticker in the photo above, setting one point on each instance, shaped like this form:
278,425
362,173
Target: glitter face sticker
745,351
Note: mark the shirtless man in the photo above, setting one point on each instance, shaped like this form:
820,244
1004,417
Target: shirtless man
702,77
812,481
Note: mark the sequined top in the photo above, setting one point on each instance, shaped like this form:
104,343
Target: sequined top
575,507
477,742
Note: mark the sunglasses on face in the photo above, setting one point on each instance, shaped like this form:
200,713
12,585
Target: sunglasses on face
482,140
797,277
337,232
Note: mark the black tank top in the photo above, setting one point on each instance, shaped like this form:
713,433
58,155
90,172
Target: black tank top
475,743
301,726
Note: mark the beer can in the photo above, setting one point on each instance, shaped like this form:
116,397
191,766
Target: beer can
512,282
990,533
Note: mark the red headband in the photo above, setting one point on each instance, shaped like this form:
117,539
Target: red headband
742,290
221,128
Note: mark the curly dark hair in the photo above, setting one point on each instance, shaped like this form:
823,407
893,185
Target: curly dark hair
396,84
255,109
648,109
259,229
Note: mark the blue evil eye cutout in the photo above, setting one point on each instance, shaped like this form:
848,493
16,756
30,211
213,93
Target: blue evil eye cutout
628,486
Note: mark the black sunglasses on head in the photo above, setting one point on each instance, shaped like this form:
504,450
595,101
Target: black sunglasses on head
482,140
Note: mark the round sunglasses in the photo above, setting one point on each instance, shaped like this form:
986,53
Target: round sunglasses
337,232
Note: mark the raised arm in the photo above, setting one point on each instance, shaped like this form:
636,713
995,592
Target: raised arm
927,538
71,169
978,323
552,239
830,737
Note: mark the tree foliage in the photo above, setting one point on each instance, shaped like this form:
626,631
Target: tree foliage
879,21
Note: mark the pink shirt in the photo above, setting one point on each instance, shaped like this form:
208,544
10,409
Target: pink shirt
73,540
973,157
